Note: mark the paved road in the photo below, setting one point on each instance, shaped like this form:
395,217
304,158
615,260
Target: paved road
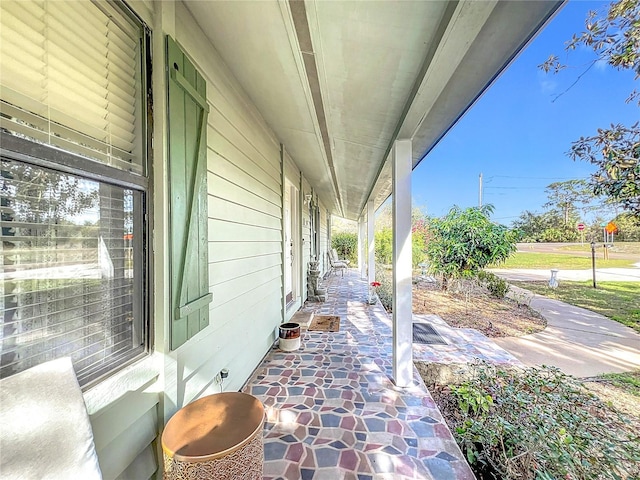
558,248
602,274
579,342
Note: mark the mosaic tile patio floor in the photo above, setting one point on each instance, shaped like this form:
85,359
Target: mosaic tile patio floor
333,412
464,345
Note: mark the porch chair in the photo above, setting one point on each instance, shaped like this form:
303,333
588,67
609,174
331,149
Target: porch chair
336,264
46,432
338,259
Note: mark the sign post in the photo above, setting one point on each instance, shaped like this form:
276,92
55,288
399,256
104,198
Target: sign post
581,230
611,228
593,263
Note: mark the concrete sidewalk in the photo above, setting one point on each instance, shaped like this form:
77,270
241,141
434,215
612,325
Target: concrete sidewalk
579,342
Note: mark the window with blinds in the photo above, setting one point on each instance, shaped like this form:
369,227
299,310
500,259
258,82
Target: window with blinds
73,186
71,77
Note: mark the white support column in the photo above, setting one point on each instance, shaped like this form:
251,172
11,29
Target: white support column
362,233
371,241
402,301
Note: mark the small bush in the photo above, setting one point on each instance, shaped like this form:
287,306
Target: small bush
385,290
540,424
496,285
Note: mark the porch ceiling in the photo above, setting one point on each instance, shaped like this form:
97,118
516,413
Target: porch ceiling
339,81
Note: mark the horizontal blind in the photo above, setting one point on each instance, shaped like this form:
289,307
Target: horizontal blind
70,76
70,271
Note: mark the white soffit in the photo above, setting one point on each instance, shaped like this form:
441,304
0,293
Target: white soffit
257,41
339,81
368,55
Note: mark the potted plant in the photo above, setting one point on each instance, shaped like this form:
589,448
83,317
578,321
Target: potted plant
373,293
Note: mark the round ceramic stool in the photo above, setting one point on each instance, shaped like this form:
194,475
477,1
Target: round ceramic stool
215,437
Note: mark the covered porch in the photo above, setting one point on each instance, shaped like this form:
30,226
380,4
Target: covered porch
259,121
333,410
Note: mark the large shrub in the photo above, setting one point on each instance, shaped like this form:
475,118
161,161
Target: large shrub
346,244
540,424
419,240
420,237
562,233
384,245
628,228
465,241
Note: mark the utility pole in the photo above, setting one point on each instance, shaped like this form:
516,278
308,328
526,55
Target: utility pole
480,190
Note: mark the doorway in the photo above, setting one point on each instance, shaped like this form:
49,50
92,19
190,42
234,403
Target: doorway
291,245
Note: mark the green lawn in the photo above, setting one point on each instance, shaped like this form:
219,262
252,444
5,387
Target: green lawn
619,301
560,261
632,248
628,381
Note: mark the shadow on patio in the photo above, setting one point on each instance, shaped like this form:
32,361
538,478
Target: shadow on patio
333,412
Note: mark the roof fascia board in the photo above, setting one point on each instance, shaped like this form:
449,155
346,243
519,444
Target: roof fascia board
297,53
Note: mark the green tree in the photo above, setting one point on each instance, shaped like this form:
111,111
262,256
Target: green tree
531,226
567,198
346,244
548,226
419,239
628,227
465,241
614,36
616,153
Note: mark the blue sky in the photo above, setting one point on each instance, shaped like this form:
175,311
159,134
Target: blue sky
517,136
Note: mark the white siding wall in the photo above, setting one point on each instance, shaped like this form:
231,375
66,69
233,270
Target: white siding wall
245,268
291,170
244,178
245,230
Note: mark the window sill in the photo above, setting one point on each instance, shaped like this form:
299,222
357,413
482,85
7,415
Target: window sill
129,379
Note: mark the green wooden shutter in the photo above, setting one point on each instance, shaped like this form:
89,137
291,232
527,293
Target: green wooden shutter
188,109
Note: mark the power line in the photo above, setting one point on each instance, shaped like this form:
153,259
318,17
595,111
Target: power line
535,178
514,188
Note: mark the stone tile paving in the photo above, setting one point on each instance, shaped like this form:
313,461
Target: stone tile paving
333,412
464,345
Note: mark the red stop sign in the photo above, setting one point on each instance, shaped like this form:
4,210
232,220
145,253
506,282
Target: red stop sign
581,226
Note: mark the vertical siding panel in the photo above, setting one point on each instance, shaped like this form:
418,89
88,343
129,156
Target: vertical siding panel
244,228
245,202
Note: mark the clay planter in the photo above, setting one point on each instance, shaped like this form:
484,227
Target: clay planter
289,334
